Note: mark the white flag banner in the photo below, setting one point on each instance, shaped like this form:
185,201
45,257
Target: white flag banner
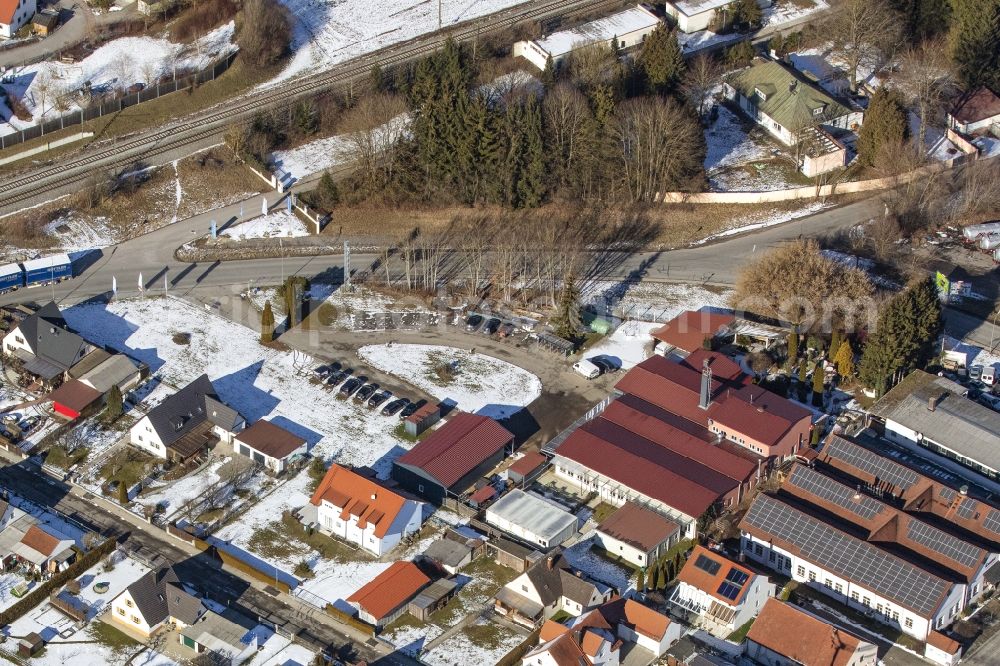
141,288
164,283
263,205
114,285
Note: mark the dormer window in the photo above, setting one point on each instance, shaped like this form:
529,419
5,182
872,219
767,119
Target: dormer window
760,94
818,111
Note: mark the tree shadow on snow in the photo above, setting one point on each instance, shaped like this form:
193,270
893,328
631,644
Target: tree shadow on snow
95,323
311,436
237,389
518,420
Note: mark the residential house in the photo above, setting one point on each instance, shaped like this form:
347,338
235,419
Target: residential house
638,535
787,635
794,109
32,542
453,457
719,594
269,445
531,519
600,636
622,30
187,423
230,640
362,511
688,331
14,14
548,586
45,345
925,412
158,597
976,111
385,597
898,569
696,15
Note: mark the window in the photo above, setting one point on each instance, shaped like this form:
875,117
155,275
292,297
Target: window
758,549
867,602
121,611
812,576
854,596
759,93
827,582
878,608
839,588
524,588
895,616
128,602
908,623
800,571
135,619
420,487
19,339
770,555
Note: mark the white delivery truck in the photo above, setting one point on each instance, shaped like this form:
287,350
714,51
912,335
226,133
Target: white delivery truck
587,369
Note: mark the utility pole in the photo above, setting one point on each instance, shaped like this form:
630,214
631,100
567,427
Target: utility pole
440,22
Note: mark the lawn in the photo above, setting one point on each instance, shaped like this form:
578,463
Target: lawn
287,537
128,466
57,456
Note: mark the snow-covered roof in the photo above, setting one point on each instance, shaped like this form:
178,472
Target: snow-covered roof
692,7
601,30
46,262
9,269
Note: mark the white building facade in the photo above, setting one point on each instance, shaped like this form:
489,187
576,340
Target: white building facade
16,16
365,533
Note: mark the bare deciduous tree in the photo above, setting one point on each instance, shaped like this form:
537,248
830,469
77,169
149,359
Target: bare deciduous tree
374,128
703,74
928,80
865,34
572,132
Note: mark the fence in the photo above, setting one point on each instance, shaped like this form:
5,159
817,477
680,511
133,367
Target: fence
114,106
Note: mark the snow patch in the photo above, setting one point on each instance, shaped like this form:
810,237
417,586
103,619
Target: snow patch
277,223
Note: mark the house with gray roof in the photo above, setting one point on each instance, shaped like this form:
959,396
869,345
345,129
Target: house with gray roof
794,109
188,423
157,598
548,586
45,345
925,412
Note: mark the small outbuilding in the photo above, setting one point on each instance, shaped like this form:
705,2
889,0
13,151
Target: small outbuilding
387,596
43,23
531,519
422,419
451,555
526,469
976,111
73,398
30,645
269,445
431,598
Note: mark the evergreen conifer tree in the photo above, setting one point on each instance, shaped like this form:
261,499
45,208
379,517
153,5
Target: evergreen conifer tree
885,125
567,319
793,347
549,73
818,377
114,406
975,41
661,60
267,323
835,339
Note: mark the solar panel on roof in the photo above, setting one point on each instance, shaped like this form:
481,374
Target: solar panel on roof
848,557
729,591
707,564
992,522
948,494
967,509
945,544
882,468
736,576
843,496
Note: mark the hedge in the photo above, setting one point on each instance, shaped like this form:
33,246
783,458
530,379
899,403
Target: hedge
41,593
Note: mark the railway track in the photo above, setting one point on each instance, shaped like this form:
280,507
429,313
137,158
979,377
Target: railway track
212,121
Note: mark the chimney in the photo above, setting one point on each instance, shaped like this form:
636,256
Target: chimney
932,402
706,385
791,86
549,561
374,496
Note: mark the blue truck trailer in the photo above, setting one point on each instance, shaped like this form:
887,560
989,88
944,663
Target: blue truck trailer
45,270
11,278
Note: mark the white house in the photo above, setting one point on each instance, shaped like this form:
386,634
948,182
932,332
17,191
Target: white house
362,511
14,14
548,586
622,30
45,345
975,111
154,599
637,535
531,519
187,423
721,594
695,15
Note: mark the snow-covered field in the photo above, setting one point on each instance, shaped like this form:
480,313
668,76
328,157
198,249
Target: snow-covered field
279,223
327,32
462,650
481,384
737,162
626,345
362,309
650,301
75,233
784,11
50,88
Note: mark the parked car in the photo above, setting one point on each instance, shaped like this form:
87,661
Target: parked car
322,372
350,386
975,372
13,417
473,323
366,392
393,407
506,330
336,379
29,424
604,365
492,326
411,408
335,367
587,369
378,399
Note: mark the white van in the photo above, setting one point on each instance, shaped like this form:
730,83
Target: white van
989,376
587,369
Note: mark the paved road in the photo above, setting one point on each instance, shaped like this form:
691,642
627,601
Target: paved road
312,626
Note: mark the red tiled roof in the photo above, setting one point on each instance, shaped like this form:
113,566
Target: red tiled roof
75,394
457,447
359,496
638,526
40,540
978,105
423,412
665,434
528,463
757,413
797,635
709,583
638,473
943,643
483,494
723,368
642,619
270,439
688,330
7,10
390,589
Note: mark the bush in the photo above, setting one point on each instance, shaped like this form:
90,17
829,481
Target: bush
303,570
263,32
201,18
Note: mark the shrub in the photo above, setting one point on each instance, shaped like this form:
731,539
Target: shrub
201,18
263,32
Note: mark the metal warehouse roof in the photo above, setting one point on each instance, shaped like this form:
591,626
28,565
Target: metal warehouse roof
532,513
457,447
601,30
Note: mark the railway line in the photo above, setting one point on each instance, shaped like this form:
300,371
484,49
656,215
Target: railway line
147,145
